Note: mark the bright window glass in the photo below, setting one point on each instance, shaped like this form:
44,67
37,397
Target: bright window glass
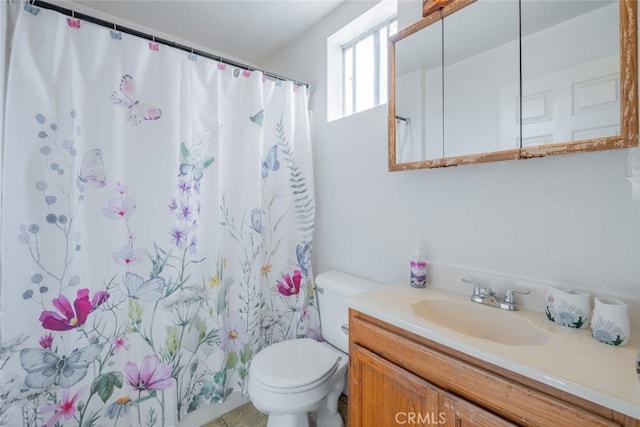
348,81
365,71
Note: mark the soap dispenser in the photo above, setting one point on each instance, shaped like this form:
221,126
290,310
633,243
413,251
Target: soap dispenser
418,266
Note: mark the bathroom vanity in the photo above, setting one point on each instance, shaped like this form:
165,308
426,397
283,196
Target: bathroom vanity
405,370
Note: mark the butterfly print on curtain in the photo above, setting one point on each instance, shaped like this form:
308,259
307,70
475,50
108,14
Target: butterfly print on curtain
92,169
135,111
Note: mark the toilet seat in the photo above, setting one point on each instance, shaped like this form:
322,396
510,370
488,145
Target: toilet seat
293,366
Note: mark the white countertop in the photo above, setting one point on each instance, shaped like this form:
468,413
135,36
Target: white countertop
570,360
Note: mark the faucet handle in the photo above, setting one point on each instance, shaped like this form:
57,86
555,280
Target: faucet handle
478,289
476,285
480,293
509,300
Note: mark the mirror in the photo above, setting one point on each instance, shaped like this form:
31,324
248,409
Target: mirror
418,93
456,79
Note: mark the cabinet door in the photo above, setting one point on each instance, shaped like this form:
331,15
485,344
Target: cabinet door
462,413
383,394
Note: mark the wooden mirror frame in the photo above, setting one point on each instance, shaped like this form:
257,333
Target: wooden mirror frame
628,137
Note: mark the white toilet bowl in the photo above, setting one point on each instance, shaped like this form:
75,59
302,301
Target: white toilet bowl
298,383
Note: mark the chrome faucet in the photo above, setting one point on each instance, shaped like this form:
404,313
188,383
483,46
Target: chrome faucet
509,300
484,295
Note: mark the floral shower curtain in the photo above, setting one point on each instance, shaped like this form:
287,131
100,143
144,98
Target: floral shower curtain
157,220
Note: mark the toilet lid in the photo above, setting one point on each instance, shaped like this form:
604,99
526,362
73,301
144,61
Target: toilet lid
293,363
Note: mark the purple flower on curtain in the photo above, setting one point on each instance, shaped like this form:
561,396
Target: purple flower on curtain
120,208
46,341
184,186
72,317
308,325
178,237
128,256
184,212
314,334
152,375
193,245
65,409
172,206
290,285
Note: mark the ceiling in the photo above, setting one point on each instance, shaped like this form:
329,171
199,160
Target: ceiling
247,30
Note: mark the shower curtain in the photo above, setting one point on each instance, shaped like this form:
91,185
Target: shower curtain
157,221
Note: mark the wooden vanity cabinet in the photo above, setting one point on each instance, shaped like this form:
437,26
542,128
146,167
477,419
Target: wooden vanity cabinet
399,378
390,395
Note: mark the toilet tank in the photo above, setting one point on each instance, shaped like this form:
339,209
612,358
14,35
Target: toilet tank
332,288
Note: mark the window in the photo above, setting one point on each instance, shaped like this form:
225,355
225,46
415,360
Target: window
364,64
357,59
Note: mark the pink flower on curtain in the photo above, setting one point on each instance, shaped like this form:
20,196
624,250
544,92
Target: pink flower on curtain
66,408
72,317
152,375
290,286
98,299
120,208
120,342
120,188
129,256
46,341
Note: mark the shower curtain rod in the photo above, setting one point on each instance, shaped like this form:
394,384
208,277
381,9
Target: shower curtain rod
115,27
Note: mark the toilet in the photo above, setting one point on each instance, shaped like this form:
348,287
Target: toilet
297,382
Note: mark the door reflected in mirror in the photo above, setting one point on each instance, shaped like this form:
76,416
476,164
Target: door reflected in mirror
570,71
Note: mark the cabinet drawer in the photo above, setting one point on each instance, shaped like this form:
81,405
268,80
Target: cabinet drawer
499,394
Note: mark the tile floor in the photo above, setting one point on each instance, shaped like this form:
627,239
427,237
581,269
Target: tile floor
248,416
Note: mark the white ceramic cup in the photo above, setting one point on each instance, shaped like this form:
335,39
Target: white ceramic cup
568,307
610,321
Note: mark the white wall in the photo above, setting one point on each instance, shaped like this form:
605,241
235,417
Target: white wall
562,219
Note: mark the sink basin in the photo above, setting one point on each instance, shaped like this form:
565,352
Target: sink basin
480,321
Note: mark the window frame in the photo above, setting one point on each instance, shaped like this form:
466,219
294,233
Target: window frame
351,45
